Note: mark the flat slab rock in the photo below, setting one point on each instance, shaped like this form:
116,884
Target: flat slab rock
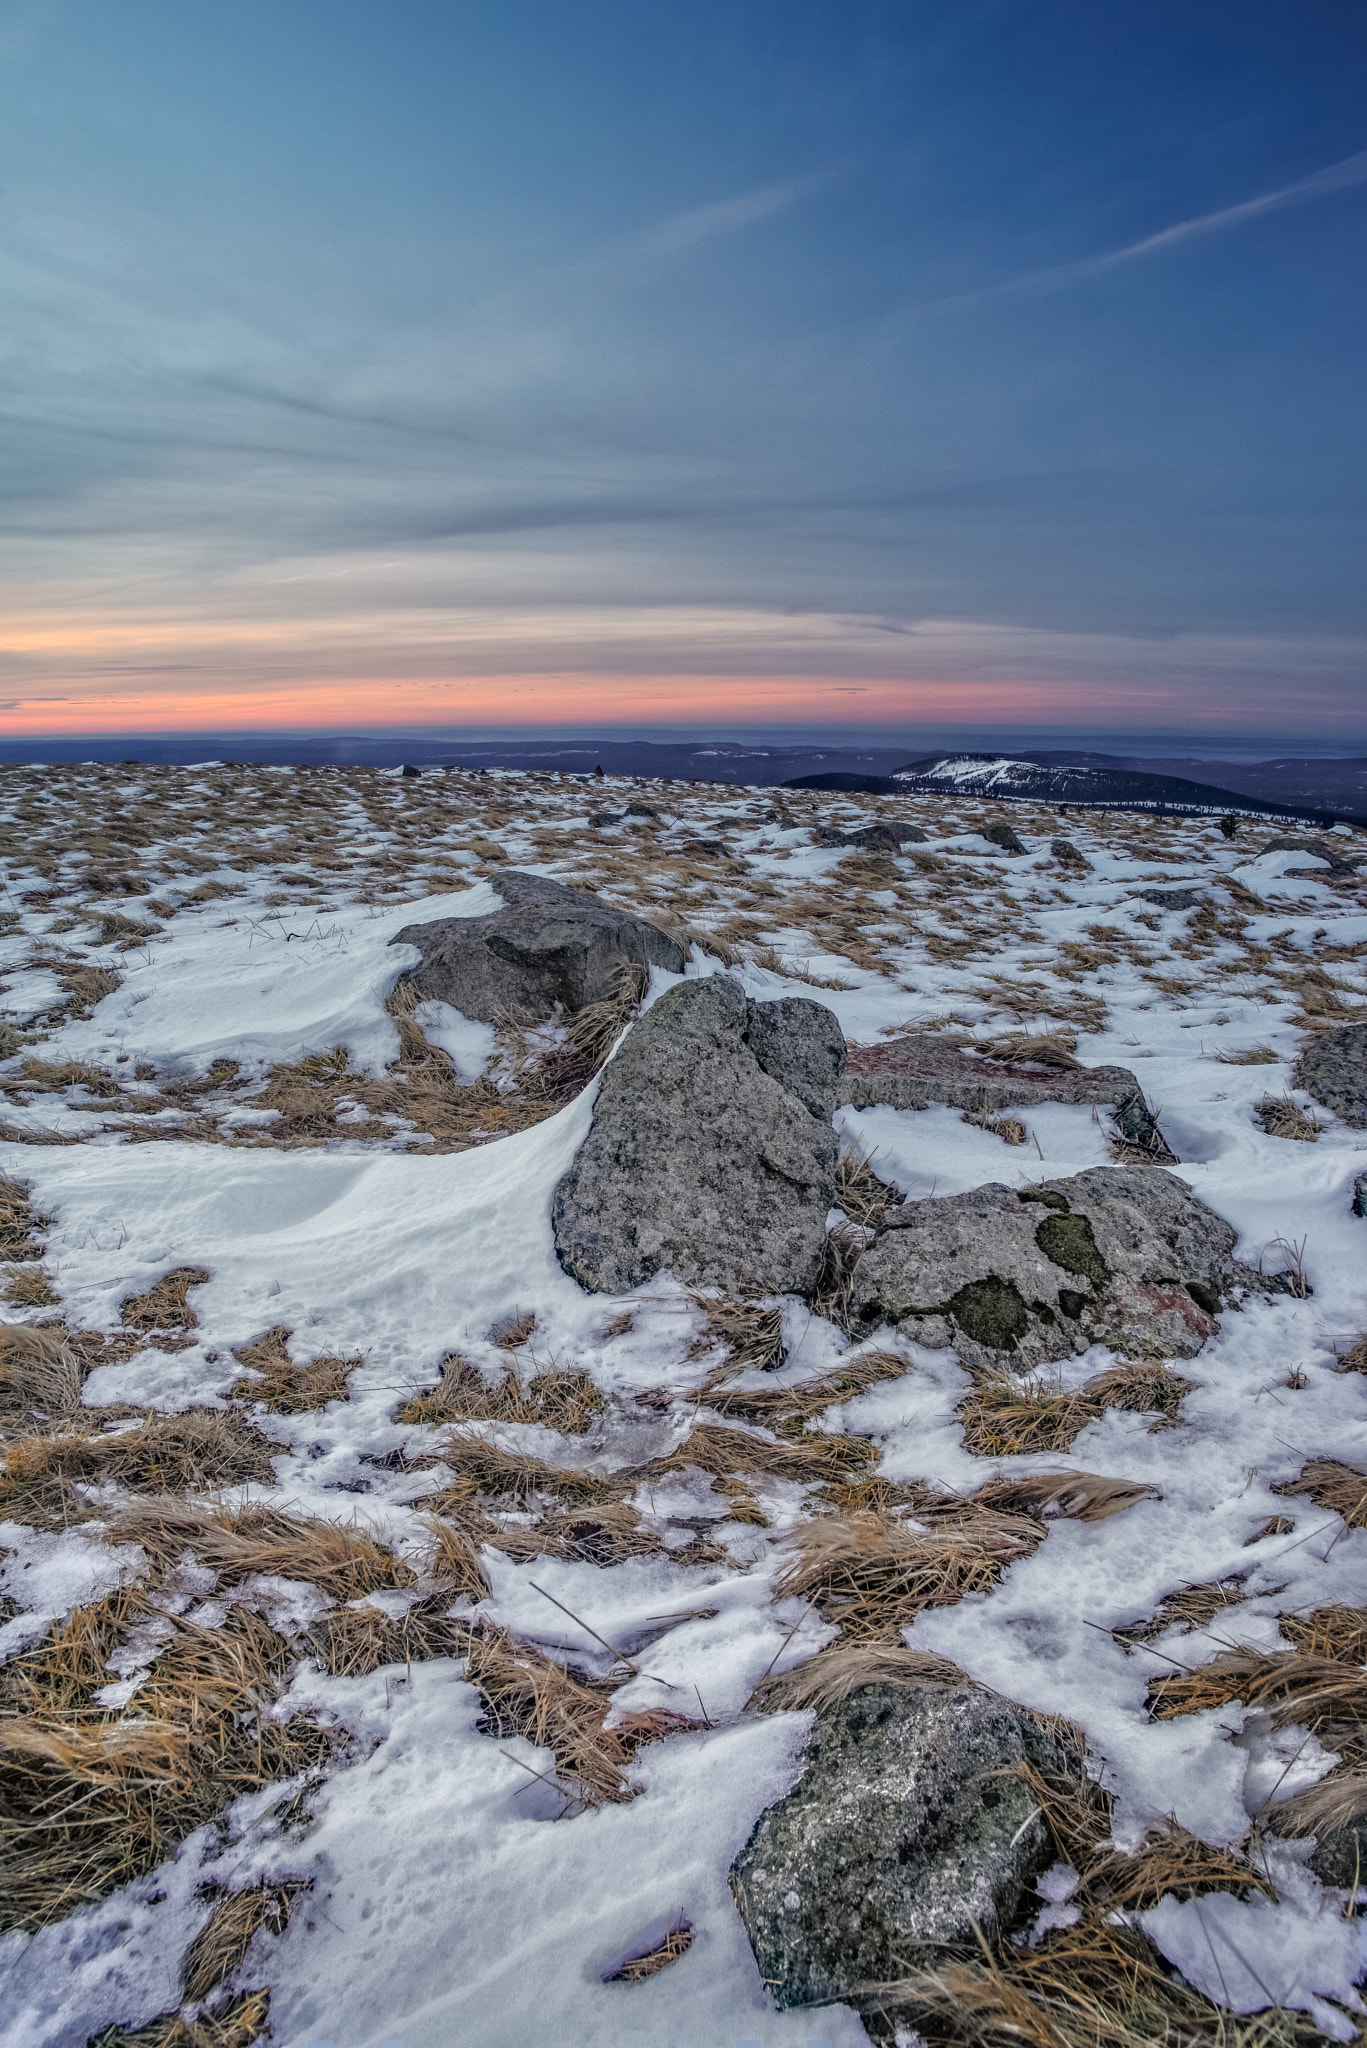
913,1071
1333,1068
1124,1255
910,1828
548,946
711,1153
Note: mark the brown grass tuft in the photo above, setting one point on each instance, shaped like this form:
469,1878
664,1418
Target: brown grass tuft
1251,1056
864,1198
351,1642
165,1306
20,1225
1280,1118
40,1374
873,1575
344,1562
94,1800
843,1668
221,1948
563,1400
238,2025
595,1029
637,1969
201,1449
752,1333
1354,1359
287,1388
1002,1419
511,1332
1340,1488
526,1694
482,1467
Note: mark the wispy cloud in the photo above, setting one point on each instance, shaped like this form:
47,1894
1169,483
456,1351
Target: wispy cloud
1339,177
721,217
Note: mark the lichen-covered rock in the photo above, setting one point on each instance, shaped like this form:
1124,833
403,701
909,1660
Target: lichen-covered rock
711,1153
1124,1255
921,1067
1004,836
1339,1856
1333,1068
885,835
548,946
1064,850
911,1827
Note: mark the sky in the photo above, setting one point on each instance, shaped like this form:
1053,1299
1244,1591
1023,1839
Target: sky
875,363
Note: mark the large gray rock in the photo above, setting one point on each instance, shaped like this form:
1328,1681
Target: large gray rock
1124,1255
1318,849
711,1152
919,1068
911,1827
1333,1068
549,945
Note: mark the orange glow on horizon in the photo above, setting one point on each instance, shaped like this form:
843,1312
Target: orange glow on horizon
536,700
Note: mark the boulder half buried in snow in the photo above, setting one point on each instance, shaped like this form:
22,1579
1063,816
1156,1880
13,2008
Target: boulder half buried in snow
920,1067
548,945
1333,1068
1123,1255
911,1827
711,1152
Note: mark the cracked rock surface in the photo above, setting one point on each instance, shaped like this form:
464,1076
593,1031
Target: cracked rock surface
711,1152
1124,1255
548,946
910,1827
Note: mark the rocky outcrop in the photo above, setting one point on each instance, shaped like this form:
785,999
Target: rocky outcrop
711,1153
1333,1068
547,946
920,1068
911,1827
1004,836
885,836
1170,899
1123,1255
1318,849
1064,850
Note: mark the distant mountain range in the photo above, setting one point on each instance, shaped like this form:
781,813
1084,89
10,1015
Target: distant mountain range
1098,783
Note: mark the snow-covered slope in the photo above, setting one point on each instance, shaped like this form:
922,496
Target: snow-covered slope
456,1892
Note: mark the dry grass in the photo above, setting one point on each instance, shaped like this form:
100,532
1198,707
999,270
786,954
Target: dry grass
165,1306
1191,1607
479,1466
858,1191
342,1561
1250,1056
351,1642
1037,1048
1340,1488
20,1225
596,1028
41,1474
788,1409
872,1575
1003,1419
40,1374
829,1678
93,1800
1354,1359
1280,1118
751,1332
221,1948
1009,1129
287,1388
1316,1692
810,1459
637,1969
563,1400
511,1332
527,1694
30,1287
237,2025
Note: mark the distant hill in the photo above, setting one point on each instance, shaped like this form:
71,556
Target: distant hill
1095,788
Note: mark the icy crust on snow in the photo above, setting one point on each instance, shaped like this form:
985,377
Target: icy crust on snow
448,1901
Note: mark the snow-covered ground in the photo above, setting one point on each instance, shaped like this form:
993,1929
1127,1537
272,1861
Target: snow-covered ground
449,1900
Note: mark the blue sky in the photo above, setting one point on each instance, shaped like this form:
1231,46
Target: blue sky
891,362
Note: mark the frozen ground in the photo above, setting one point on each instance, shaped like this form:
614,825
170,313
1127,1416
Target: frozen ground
161,921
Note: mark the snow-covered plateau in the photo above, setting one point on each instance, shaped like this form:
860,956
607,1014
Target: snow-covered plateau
379,1666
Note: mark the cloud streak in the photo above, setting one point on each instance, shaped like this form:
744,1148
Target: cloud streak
1350,171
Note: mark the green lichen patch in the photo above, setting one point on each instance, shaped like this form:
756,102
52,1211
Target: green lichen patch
1067,1241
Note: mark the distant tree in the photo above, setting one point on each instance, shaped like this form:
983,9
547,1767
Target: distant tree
1229,825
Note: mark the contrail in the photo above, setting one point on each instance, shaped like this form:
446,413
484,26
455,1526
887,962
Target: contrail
1352,170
